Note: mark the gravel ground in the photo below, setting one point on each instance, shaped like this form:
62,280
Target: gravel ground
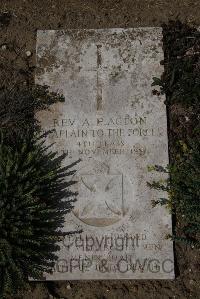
19,21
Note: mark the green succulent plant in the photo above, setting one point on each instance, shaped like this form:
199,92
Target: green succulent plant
181,78
180,83
183,187
19,104
35,196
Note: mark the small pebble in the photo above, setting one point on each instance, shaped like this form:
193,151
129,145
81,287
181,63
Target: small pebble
4,47
187,118
28,53
68,287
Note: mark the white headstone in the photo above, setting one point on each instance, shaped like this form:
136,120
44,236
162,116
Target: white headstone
114,123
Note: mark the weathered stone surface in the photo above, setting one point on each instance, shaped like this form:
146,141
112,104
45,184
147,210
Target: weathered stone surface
111,120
